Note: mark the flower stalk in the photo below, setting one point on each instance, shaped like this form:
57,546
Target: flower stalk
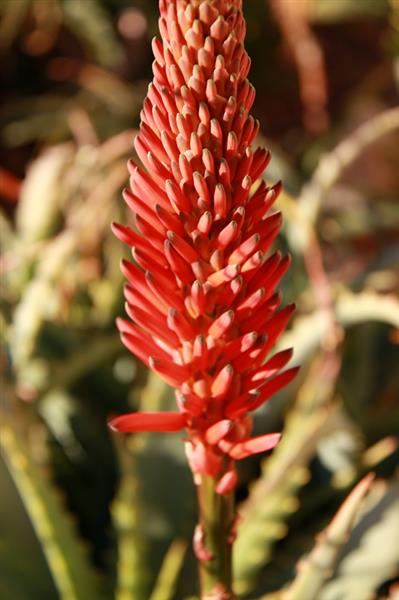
214,539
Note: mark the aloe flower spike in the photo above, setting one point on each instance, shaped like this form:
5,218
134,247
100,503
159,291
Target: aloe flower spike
201,293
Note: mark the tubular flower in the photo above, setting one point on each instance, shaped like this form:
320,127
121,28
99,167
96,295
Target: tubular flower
200,294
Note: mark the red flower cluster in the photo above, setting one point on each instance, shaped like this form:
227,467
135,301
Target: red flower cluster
201,291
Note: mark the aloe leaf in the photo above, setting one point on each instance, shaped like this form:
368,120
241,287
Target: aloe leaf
350,309
315,569
166,582
132,575
90,22
39,301
67,561
23,570
43,180
272,500
330,11
145,525
371,555
332,165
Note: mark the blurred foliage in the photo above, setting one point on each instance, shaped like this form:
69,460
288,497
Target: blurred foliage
88,515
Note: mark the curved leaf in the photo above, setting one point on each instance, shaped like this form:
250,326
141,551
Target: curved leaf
371,555
317,566
67,561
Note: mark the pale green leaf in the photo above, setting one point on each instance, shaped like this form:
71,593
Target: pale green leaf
64,553
315,569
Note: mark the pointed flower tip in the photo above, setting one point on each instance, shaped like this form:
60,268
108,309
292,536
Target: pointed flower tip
114,227
227,482
218,431
112,424
120,324
293,371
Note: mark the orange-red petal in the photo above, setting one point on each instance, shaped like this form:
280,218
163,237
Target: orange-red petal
156,421
262,443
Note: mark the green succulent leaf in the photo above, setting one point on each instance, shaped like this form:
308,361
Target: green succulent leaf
371,555
68,563
315,569
166,582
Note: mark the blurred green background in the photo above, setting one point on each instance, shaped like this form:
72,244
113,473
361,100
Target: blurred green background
85,514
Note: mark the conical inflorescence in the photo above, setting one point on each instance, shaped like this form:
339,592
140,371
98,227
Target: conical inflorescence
200,293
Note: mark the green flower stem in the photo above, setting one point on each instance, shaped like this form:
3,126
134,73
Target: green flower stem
216,520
